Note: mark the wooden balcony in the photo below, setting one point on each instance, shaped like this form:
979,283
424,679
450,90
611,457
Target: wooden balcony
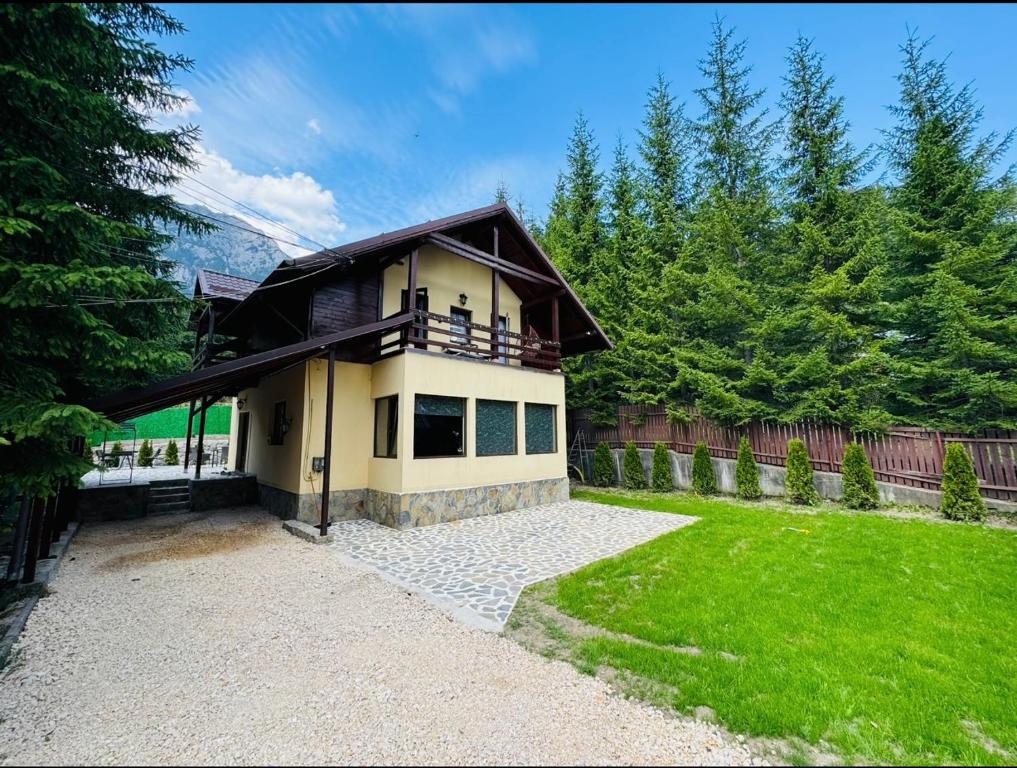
440,333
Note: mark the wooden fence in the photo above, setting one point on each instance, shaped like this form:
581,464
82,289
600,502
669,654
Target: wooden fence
908,456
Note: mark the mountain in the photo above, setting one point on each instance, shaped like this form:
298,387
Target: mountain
228,250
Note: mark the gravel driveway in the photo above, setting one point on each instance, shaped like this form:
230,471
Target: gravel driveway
221,639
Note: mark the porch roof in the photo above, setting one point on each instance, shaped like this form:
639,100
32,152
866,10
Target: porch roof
232,376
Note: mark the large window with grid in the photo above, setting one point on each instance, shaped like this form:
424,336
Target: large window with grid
496,427
540,428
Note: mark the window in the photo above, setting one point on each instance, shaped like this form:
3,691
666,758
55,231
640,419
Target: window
386,424
280,424
421,305
438,426
460,325
540,428
496,428
503,326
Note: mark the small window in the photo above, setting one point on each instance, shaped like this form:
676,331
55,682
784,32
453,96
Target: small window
460,325
438,427
280,424
386,425
496,428
540,428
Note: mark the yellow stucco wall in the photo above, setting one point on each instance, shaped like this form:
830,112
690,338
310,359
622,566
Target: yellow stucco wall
446,276
288,467
275,465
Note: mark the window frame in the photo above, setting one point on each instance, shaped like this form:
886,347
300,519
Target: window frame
515,426
466,338
392,431
554,429
465,417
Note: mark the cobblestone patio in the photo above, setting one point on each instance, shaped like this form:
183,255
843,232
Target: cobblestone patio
476,568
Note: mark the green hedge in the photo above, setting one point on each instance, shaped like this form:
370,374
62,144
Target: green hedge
171,422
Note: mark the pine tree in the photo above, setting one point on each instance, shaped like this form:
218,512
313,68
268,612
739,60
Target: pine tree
746,472
145,454
953,276
78,220
118,447
704,481
501,193
603,466
632,466
664,150
798,484
961,497
860,491
819,348
172,453
662,478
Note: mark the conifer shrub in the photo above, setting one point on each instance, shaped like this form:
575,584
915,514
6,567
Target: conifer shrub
118,447
746,472
661,477
798,485
603,466
961,499
145,454
704,481
860,490
635,478
172,453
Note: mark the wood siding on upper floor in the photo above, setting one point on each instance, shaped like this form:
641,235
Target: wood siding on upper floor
346,304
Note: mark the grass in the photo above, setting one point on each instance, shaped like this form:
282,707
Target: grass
885,640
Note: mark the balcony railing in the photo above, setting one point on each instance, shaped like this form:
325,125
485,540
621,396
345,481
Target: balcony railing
441,333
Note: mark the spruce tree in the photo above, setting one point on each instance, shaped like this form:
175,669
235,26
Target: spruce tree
798,484
634,475
860,491
746,472
704,481
172,453
603,466
87,305
662,478
953,276
961,497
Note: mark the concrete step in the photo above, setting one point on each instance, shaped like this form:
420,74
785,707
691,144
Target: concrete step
181,483
169,507
168,495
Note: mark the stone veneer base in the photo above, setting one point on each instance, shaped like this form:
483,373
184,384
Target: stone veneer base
412,510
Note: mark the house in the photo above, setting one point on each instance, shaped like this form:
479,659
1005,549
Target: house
440,345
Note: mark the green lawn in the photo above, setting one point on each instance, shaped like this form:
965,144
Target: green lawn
894,641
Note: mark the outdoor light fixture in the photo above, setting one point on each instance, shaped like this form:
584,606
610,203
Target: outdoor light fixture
241,403
462,299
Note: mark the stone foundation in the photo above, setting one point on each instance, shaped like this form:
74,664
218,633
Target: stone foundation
412,510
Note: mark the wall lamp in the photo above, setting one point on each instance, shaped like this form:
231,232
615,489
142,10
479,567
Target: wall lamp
462,299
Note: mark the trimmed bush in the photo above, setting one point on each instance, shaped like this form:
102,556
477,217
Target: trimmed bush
704,482
145,454
118,447
603,466
172,454
860,490
662,479
635,478
961,499
746,472
798,485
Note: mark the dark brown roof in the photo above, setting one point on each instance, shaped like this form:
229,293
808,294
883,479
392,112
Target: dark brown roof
586,336
211,284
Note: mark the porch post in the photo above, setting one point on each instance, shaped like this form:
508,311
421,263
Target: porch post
20,535
187,444
46,536
411,289
555,329
327,469
32,548
201,439
495,293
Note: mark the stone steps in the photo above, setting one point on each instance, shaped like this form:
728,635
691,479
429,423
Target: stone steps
167,497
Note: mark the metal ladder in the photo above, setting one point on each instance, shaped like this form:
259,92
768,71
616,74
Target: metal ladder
576,452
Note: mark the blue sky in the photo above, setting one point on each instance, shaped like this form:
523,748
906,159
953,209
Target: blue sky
345,121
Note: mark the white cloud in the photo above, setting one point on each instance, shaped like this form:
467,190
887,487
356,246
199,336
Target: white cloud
183,110
314,126
297,201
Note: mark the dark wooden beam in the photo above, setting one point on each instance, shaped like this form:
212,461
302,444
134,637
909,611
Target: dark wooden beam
327,469
201,439
476,255
411,287
555,334
538,300
20,536
48,523
495,295
32,545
